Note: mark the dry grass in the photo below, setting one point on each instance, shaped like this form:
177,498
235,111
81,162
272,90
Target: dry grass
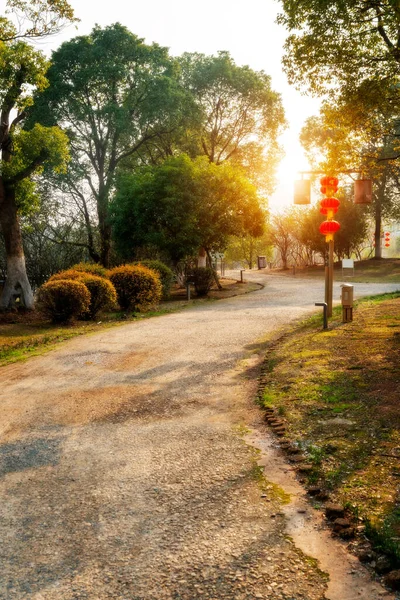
339,392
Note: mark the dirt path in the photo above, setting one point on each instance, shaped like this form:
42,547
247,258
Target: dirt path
124,474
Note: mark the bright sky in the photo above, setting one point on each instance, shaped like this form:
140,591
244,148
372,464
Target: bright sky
247,29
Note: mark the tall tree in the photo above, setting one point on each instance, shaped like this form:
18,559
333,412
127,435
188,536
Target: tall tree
114,95
241,115
23,153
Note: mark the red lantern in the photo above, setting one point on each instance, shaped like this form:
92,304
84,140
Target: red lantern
387,245
329,205
328,227
329,184
387,234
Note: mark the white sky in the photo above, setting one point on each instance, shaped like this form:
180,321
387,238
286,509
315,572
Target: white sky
247,29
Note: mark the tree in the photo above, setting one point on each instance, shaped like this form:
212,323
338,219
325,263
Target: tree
281,234
340,141
343,43
241,116
23,153
34,19
182,205
353,228
114,95
246,247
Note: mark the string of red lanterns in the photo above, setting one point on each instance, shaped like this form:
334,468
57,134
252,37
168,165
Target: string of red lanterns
329,207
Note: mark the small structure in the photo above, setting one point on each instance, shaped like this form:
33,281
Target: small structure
348,264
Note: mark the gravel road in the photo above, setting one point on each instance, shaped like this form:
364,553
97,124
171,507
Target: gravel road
124,473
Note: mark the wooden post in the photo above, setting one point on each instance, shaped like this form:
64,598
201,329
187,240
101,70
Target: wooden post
330,279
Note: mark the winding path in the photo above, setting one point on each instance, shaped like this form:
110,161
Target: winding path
124,473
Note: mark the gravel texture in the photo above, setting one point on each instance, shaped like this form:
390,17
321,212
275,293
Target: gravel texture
123,471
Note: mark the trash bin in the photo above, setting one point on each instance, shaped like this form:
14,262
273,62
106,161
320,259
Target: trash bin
261,262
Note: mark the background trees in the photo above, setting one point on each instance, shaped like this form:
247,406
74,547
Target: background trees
114,95
183,205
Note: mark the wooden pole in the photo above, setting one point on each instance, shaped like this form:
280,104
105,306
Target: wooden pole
330,279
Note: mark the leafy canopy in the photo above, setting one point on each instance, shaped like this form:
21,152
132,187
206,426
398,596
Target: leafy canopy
183,205
34,18
344,42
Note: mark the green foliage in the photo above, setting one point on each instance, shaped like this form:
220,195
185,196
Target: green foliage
92,268
183,205
116,96
246,248
353,228
62,300
203,278
137,287
342,42
241,116
164,272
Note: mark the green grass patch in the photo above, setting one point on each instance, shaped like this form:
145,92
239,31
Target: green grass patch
338,392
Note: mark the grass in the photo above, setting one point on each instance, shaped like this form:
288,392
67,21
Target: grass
28,334
338,392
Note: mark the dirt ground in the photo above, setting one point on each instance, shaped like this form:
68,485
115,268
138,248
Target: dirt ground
125,473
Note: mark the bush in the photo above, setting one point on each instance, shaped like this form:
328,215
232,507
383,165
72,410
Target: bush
102,291
203,278
69,274
137,287
164,272
91,268
64,299
102,294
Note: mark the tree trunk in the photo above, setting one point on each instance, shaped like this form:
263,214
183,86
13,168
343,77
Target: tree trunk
104,226
202,258
219,286
378,227
17,284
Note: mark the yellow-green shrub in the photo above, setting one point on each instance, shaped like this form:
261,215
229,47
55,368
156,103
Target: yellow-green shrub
91,268
67,274
102,294
64,299
164,272
137,287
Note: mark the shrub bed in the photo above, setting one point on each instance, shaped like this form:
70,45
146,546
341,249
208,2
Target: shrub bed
203,278
63,300
164,272
137,286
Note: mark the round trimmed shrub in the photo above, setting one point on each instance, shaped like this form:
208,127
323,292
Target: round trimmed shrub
203,278
69,274
64,299
137,287
102,294
165,273
91,268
